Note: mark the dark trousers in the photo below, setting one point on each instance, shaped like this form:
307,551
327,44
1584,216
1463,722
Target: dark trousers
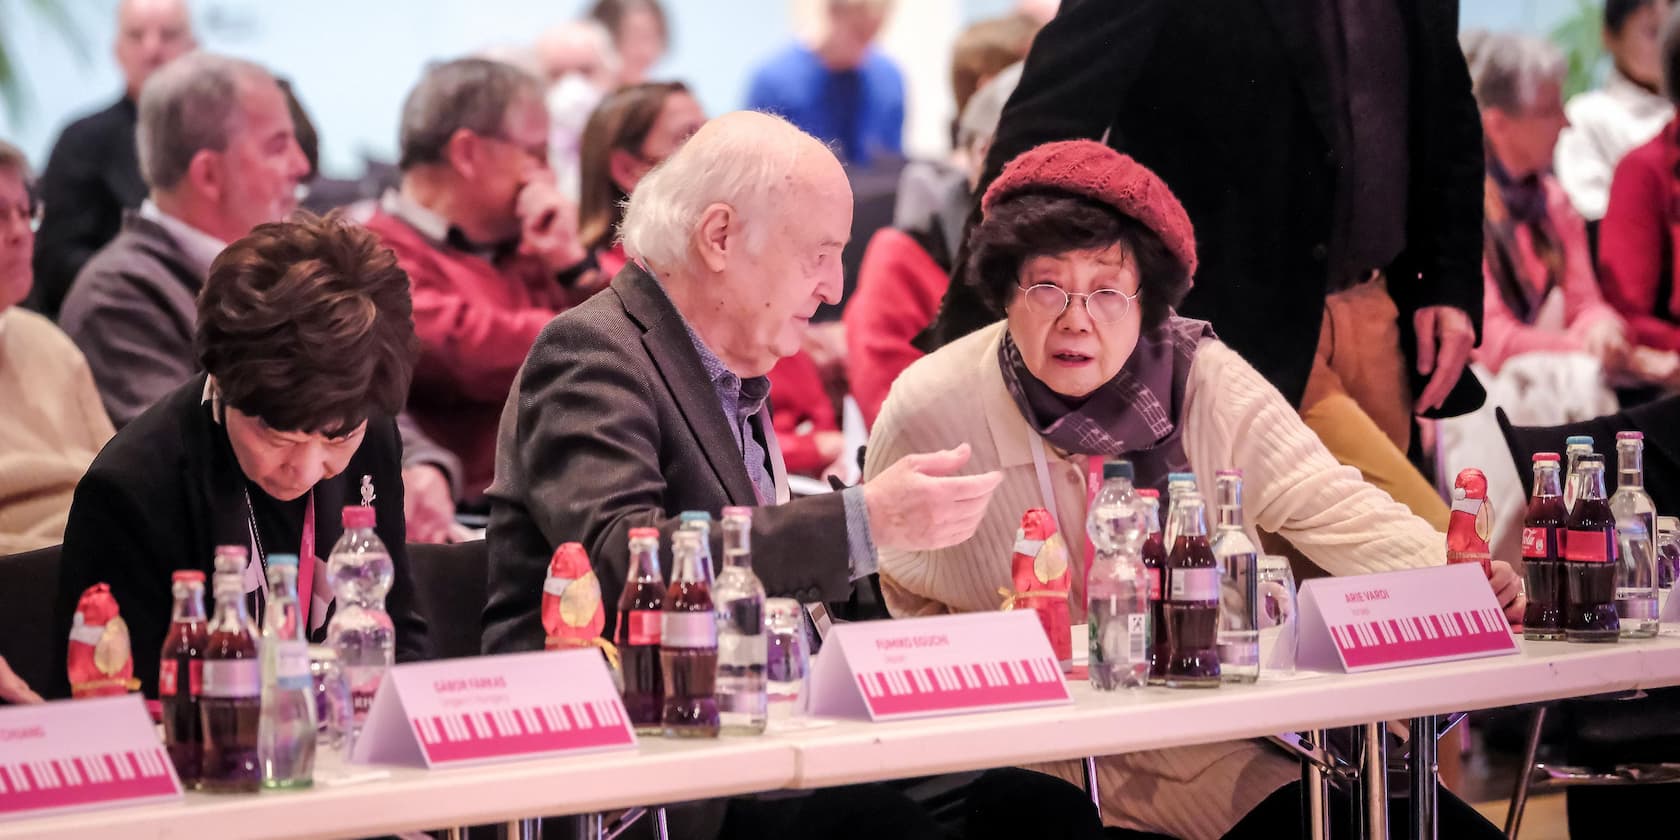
1279,815
994,805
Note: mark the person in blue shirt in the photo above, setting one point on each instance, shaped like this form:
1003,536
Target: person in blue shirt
841,89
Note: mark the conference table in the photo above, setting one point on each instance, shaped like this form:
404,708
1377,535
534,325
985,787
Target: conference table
813,752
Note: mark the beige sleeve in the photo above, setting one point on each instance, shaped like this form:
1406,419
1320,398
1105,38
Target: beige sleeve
1292,485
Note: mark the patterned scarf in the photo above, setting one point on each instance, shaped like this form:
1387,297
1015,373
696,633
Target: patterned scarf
1134,415
1508,204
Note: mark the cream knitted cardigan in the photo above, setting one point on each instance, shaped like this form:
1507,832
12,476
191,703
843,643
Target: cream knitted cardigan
51,425
1231,417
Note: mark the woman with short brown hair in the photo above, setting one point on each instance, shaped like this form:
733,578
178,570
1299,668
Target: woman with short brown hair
306,336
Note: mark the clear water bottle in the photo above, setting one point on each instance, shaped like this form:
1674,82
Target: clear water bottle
1239,596
361,631
738,597
1117,586
1636,532
1636,579
1668,551
788,659
286,731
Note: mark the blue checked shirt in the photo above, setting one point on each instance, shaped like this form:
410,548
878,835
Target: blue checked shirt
742,400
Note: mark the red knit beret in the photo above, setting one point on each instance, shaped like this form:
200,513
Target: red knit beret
1095,171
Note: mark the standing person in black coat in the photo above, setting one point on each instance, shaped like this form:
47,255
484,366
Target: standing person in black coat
93,173
306,334
1329,155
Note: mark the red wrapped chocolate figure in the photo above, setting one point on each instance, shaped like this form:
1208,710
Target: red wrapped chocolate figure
1471,523
572,614
99,662
1039,570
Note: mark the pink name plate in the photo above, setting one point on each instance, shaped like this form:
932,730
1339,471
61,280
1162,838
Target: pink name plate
1390,619
921,667
494,708
77,755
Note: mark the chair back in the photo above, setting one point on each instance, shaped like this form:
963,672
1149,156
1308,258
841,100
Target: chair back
451,585
28,590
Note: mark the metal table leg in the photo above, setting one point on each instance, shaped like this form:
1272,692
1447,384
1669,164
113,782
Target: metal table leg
1315,790
1519,797
529,828
1375,778
1091,787
591,827
1425,778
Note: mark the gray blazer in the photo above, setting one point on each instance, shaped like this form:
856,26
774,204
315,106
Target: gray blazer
613,425
132,311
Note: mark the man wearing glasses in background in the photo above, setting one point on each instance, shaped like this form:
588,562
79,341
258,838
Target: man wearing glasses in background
489,245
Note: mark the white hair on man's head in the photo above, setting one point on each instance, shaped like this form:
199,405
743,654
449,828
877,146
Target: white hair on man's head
745,159
1507,69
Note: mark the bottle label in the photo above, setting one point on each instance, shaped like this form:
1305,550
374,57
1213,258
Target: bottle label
1537,543
361,702
644,627
1137,637
1194,584
688,629
232,678
741,649
1154,584
169,677
1635,593
1587,547
291,664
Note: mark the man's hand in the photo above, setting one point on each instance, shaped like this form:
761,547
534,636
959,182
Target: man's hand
428,504
1445,338
918,505
1508,588
548,226
12,687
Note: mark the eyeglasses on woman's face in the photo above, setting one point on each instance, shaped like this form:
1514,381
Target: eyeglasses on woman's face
1105,306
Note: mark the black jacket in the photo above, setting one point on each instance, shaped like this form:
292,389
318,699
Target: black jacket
1228,101
167,490
612,425
92,176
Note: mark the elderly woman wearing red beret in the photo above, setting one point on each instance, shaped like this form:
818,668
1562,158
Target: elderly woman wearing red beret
1087,252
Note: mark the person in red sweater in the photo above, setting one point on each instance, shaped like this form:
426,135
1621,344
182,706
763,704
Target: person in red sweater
1637,256
489,245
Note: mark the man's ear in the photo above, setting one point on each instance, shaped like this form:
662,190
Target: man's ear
718,236
462,151
204,174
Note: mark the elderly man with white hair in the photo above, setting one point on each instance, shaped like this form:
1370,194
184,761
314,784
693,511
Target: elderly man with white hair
651,399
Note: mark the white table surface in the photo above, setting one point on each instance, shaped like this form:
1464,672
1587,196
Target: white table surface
852,751
1152,718
413,799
